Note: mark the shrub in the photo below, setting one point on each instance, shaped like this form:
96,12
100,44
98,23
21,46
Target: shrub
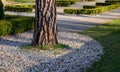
103,4
64,2
5,27
112,1
82,11
110,7
72,11
1,10
15,24
18,8
90,11
96,10
25,5
21,27
89,7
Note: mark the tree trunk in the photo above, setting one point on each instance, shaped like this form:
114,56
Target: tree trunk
1,10
45,32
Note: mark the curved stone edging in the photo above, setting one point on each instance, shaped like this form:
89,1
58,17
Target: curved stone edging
83,52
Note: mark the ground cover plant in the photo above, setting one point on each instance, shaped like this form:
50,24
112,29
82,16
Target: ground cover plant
109,36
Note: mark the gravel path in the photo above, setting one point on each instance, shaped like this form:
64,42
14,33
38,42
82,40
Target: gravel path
82,53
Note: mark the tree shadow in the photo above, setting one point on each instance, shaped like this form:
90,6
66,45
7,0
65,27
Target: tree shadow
11,42
77,60
64,25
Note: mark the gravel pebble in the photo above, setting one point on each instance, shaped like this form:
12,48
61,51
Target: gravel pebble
83,52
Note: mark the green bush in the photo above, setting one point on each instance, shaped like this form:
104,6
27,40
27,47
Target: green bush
82,11
103,4
5,27
19,8
15,24
1,10
92,11
64,2
112,1
89,7
25,5
72,11
30,7
20,27
110,7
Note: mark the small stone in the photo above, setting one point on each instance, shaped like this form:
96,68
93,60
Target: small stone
83,52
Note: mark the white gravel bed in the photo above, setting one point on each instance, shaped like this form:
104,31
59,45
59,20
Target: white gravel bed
81,55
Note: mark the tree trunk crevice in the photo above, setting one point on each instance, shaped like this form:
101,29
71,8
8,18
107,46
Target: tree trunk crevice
45,32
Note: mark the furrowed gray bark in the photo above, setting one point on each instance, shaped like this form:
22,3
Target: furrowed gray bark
45,31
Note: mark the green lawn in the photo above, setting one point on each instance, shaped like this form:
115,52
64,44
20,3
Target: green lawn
30,1
23,1
109,36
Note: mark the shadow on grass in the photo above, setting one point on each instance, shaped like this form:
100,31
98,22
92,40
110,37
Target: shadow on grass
109,36
74,25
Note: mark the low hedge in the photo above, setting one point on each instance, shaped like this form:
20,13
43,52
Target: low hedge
15,24
19,8
64,2
30,7
81,11
72,11
110,7
89,7
97,10
103,4
112,1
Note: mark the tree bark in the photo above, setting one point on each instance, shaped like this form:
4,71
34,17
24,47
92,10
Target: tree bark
45,31
1,10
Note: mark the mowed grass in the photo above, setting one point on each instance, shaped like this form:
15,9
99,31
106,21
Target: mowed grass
44,47
109,36
23,1
30,1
